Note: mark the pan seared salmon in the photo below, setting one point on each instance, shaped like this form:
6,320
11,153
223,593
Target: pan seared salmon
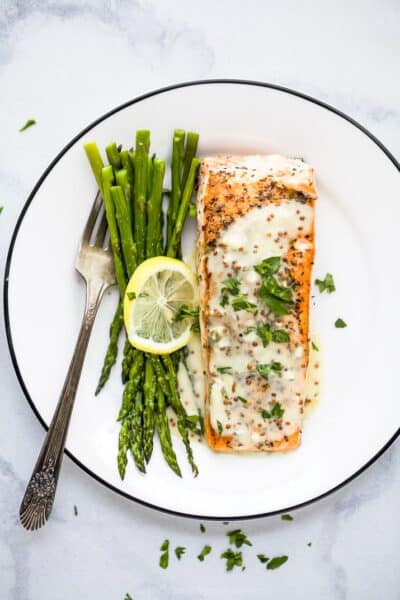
256,251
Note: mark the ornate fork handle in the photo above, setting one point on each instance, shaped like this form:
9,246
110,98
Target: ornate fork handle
38,500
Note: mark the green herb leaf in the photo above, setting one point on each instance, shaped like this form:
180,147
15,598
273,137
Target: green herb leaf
276,366
262,558
1,209
242,399
309,544
164,545
272,287
277,411
266,414
202,528
241,303
179,552
277,562
280,336
128,597
264,370
28,124
326,285
164,560
264,333
238,538
287,517
75,510
184,312
195,423
233,559
131,295
269,266
220,427
224,300
249,330
314,346
231,286
278,307
206,550
223,370
340,324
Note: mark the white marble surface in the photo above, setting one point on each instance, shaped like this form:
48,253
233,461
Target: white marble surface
64,62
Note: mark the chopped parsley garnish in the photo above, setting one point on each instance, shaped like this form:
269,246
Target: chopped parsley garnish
277,562
202,528
224,300
220,427
131,295
340,324
265,370
128,597
242,399
314,346
241,303
276,412
277,297
309,544
268,266
287,517
326,285
266,335
195,423
75,510
223,370
28,124
231,286
179,552
262,558
238,538
164,558
184,312
192,210
1,209
206,550
233,559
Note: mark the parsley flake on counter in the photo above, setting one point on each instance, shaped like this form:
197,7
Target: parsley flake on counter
262,558
314,346
206,550
340,324
309,544
277,562
179,552
202,528
28,124
231,286
75,510
233,559
238,538
223,370
131,295
327,284
220,427
241,303
164,558
1,209
287,517
128,597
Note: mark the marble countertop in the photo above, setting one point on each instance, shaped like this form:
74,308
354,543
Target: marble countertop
65,62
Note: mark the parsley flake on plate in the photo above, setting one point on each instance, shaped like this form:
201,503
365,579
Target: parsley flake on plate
327,284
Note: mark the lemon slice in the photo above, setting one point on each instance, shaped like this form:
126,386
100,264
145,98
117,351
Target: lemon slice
158,288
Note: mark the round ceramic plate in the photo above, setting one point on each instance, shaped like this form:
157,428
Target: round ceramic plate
358,216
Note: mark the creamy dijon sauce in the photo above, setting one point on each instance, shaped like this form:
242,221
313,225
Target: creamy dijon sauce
238,398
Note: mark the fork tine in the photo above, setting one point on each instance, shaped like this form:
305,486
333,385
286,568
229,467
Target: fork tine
87,232
101,231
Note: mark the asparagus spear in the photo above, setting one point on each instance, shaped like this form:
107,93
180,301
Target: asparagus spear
178,149
154,208
124,223
165,435
128,359
136,437
149,389
107,180
113,156
122,179
123,446
112,350
131,386
141,168
192,140
96,162
183,208
179,410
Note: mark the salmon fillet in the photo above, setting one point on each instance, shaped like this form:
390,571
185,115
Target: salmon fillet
256,251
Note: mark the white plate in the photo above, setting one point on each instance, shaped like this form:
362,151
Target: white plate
358,218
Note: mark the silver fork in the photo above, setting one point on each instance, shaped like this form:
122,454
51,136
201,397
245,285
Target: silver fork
95,264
